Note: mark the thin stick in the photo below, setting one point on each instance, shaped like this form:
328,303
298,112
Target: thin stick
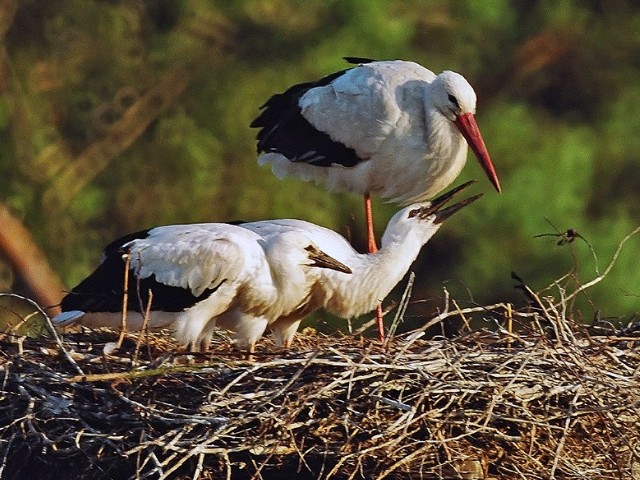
563,438
227,465
52,329
402,308
199,466
14,328
6,454
125,300
462,315
599,278
144,330
509,315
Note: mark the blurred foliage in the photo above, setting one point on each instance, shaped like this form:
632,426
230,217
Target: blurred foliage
558,85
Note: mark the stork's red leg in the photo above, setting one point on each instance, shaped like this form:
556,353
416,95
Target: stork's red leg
371,236
373,248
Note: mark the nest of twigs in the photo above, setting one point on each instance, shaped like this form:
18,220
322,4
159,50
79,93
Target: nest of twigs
551,402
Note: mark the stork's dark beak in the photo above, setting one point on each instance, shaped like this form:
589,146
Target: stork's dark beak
323,260
436,205
445,197
442,215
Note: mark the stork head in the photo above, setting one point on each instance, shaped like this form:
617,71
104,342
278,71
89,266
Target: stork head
425,218
456,100
295,248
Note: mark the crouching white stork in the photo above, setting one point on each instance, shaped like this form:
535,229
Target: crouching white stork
373,275
391,128
200,276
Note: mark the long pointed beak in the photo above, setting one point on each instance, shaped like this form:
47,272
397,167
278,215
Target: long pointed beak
436,206
443,199
467,125
442,215
323,260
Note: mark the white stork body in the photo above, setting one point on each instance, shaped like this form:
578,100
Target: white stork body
392,129
374,274
201,275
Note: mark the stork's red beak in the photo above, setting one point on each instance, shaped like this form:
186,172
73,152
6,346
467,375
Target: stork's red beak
467,125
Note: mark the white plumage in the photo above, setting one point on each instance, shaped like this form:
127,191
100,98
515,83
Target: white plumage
374,274
201,275
392,129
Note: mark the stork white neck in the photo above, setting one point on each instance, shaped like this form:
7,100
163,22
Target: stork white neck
376,274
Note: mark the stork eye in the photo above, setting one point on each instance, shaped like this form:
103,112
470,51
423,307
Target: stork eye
453,100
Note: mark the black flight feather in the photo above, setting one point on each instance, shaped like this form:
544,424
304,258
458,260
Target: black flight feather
102,291
284,130
359,60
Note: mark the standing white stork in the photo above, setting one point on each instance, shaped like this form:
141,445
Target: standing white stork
391,128
200,276
374,274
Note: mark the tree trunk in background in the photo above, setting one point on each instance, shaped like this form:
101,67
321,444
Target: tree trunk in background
28,262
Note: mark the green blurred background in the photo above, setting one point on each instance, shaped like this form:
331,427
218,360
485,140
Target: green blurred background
558,84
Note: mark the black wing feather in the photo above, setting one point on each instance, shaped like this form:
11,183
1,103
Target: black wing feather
284,130
103,290
359,60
